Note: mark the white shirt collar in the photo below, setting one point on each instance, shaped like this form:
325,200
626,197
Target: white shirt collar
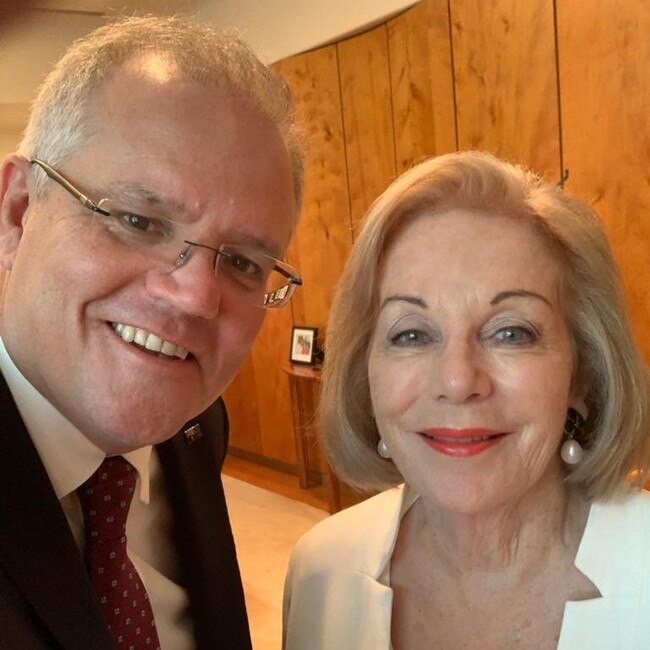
69,457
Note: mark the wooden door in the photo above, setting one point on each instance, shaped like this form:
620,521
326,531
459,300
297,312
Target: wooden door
604,55
506,81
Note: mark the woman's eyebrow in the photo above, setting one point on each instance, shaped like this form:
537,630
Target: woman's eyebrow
518,293
412,300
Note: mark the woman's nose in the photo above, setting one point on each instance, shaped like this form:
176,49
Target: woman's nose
461,372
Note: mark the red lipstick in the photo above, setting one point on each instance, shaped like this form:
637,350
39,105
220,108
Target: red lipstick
461,443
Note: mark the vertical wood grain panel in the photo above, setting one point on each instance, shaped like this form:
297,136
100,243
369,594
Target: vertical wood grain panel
243,411
604,57
506,81
422,83
258,401
376,103
367,116
270,351
323,238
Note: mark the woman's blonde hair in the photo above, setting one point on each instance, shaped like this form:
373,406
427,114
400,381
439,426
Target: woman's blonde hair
608,365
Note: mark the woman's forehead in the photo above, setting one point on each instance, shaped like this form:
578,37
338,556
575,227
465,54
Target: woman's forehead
468,246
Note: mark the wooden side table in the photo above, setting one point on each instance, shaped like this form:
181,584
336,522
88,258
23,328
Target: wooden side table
297,373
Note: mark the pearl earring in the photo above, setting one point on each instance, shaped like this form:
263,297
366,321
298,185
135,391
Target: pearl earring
571,451
382,449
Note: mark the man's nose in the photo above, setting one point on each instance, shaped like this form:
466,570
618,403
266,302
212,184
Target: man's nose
461,373
192,288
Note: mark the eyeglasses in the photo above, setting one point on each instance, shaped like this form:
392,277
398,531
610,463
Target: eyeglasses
248,273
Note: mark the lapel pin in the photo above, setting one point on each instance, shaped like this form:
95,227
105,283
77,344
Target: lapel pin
193,433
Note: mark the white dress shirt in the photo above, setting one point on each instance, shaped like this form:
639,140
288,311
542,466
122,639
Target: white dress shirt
70,459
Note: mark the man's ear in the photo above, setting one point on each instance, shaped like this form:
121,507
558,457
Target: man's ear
14,202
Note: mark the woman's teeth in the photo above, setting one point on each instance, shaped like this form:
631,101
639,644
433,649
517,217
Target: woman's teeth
149,341
472,439
463,440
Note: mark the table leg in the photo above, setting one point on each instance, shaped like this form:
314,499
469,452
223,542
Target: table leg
333,491
299,434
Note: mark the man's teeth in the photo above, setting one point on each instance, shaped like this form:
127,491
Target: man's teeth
149,341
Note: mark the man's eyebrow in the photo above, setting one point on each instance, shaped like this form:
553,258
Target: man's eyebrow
178,211
135,192
258,243
518,293
412,300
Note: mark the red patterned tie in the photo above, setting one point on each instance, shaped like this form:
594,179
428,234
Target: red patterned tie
105,499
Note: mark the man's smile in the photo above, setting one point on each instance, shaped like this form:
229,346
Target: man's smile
149,341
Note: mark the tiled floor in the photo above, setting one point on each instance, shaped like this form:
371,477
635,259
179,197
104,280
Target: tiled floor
266,526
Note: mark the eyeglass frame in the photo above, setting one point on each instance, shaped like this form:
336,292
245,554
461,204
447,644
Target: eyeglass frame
294,280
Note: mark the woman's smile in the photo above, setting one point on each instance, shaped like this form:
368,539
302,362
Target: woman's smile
461,443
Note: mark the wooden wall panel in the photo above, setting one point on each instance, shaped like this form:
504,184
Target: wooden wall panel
367,116
506,81
319,249
605,88
270,351
259,401
463,74
243,410
323,237
419,48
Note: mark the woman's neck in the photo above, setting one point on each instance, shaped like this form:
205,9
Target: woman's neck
515,537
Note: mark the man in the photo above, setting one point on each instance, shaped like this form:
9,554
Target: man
141,223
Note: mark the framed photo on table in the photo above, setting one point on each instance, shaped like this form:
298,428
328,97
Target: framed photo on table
303,345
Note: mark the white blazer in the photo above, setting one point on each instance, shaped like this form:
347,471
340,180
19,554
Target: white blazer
337,595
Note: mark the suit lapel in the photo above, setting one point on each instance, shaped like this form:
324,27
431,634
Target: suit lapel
37,549
203,535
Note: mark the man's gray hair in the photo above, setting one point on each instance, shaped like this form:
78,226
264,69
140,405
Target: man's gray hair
59,121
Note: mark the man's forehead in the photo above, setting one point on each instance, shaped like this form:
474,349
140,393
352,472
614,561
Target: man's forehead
155,67
153,82
154,71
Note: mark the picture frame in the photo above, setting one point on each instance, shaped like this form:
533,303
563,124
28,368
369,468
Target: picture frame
303,345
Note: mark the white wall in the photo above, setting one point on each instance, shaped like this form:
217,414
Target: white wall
30,48
276,29
13,117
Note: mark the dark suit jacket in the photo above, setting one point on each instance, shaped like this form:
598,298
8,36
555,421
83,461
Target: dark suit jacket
46,599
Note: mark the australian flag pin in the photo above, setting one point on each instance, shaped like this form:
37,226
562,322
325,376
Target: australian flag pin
193,433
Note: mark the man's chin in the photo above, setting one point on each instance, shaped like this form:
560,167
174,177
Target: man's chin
128,438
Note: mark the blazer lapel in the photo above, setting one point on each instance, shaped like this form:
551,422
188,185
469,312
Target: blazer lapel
37,549
192,466
358,613
613,555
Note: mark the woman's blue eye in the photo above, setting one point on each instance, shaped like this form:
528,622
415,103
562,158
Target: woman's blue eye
409,338
515,334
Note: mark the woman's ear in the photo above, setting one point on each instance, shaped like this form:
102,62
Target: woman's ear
14,202
578,402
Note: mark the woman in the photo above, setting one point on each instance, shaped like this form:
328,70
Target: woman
479,352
